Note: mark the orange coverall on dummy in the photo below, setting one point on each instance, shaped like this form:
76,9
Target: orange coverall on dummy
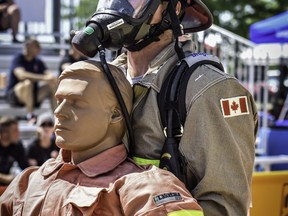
124,188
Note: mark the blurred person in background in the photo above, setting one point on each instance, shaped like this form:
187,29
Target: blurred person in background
71,56
12,153
43,147
10,17
26,71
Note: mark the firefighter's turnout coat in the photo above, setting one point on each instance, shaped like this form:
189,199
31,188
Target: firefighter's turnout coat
218,141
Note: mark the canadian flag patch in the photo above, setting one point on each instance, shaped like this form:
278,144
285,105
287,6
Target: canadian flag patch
235,106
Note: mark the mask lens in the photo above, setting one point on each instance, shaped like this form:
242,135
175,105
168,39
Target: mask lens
132,8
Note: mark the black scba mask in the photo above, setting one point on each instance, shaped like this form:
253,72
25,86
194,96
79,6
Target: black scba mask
116,24
123,23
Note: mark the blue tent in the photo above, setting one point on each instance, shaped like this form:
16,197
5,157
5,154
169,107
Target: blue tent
271,30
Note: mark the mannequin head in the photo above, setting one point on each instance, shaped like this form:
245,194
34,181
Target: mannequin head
88,118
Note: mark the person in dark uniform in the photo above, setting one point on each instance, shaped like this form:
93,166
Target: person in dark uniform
26,72
12,153
43,147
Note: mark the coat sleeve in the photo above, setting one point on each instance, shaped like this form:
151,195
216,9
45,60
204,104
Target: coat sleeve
220,147
157,192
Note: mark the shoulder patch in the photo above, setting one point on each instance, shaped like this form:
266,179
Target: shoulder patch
234,106
166,198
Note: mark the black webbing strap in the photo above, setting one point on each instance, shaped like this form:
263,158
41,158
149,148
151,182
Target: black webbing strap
176,27
120,100
168,97
171,158
176,86
172,108
184,82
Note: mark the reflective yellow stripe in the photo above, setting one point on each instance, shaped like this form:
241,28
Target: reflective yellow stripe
142,161
186,213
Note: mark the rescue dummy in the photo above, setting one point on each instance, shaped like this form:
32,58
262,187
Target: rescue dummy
92,174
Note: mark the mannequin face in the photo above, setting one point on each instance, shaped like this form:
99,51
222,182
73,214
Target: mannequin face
82,116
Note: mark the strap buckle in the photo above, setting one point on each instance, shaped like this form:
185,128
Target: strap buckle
176,135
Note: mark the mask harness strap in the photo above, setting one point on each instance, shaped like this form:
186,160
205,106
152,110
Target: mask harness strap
153,36
176,27
169,20
118,96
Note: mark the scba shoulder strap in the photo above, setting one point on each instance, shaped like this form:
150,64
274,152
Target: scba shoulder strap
172,108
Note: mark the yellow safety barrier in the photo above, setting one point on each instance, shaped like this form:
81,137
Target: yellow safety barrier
270,194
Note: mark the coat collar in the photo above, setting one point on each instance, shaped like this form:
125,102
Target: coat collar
97,165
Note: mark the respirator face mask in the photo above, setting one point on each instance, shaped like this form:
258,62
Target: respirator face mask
116,24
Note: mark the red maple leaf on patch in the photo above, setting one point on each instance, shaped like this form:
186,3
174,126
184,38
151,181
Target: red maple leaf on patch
234,106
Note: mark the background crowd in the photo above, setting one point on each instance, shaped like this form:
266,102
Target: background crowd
15,156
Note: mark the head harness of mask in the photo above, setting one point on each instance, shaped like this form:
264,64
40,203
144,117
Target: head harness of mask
126,23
